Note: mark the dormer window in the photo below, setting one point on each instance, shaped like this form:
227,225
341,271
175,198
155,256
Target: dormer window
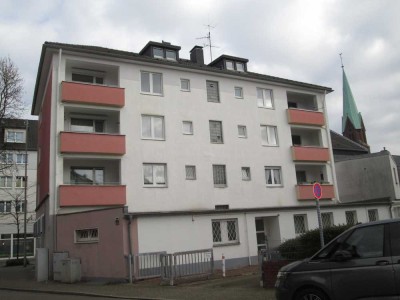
239,67
230,65
170,55
158,53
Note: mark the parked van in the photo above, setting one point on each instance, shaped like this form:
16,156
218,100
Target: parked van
361,263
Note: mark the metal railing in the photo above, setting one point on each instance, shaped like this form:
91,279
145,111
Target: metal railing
147,265
185,264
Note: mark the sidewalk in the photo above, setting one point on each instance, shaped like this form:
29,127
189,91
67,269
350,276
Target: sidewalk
239,284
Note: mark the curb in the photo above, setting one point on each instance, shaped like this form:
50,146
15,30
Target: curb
77,294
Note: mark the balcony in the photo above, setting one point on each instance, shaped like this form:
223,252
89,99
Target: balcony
310,154
305,191
83,93
92,143
92,195
305,117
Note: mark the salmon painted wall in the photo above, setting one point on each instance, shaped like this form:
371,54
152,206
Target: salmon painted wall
102,259
44,144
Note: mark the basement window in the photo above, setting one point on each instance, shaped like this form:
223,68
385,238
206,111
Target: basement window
87,235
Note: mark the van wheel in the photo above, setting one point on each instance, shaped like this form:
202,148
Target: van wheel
311,294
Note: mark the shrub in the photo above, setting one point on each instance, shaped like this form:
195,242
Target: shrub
16,262
309,243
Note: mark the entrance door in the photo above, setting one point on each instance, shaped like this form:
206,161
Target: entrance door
260,234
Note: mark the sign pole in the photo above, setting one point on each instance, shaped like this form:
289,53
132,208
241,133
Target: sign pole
317,191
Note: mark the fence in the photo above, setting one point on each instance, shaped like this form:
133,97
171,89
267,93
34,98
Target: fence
184,264
147,265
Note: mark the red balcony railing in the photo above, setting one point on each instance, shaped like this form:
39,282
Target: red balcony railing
92,143
307,153
92,94
305,192
92,195
305,117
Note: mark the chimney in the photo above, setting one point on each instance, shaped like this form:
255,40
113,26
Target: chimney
196,55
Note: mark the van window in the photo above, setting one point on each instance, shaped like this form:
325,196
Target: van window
395,238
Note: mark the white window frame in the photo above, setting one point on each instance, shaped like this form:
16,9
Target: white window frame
7,158
154,177
21,158
246,174
240,64
325,216
240,89
375,212
353,214
92,236
20,207
158,56
303,217
228,62
151,84
169,58
193,171
5,206
263,102
268,135
20,183
223,232
188,84
244,128
88,118
15,131
210,122
220,185
187,132
273,171
152,128
8,182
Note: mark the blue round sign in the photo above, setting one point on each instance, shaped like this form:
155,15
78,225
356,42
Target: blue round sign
317,190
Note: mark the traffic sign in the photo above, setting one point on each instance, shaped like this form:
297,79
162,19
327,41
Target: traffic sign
317,190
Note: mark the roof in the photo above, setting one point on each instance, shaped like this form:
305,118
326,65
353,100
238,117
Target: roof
228,57
165,45
183,63
340,142
20,124
369,155
350,110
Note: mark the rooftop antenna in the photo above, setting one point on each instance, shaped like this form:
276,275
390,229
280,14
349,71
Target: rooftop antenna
341,59
208,37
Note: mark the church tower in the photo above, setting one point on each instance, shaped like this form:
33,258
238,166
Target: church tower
352,122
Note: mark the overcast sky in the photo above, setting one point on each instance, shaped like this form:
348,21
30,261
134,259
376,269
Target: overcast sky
298,40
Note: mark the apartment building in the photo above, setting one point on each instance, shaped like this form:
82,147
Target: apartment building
18,144
146,152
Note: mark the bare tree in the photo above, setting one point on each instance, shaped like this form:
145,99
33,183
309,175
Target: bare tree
11,90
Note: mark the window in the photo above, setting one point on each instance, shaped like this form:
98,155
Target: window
301,177
212,91
7,158
154,175
185,85
22,158
246,173
300,224
5,181
87,78
273,176
396,179
239,67
327,219
242,131
373,215
5,206
20,181
158,53
87,235
229,65
20,206
151,83
153,127
216,132
187,127
14,136
87,125
264,98
269,135
238,92
296,140
89,176
351,217
190,172
170,55
225,231
219,174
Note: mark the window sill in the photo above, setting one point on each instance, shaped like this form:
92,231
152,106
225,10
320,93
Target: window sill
271,108
226,244
264,145
86,242
220,186
185,133
239,98
151,94
242,137
188,91
274,186
155,186
151,139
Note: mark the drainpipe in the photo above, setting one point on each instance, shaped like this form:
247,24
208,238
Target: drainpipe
130,260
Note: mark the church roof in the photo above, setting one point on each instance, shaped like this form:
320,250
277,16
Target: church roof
350,110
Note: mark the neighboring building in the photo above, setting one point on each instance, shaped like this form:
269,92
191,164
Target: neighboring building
144,152
13,159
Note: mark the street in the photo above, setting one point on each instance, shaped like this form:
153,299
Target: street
12,295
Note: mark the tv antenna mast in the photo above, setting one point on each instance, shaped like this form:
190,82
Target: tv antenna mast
208,37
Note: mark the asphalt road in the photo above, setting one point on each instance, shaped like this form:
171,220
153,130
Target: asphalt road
11,295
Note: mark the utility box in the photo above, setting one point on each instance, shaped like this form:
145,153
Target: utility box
58,257
71,270
42,264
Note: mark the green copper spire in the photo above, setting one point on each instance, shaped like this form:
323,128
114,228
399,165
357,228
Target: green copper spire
349,106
